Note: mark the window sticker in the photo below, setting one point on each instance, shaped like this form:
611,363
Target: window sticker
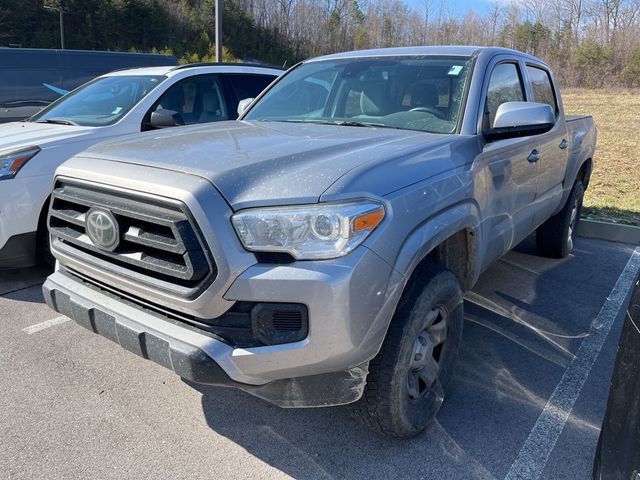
455,70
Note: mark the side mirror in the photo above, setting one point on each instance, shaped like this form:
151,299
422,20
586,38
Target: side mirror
165,118
519,119
244,104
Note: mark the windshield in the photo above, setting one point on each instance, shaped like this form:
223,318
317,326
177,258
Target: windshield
410,92
101,102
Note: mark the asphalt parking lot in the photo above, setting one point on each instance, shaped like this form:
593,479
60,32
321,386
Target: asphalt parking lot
527,399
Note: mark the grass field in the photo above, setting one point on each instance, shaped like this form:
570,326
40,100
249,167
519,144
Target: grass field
614,191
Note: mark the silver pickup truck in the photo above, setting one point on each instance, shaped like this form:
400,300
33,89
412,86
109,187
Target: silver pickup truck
316,251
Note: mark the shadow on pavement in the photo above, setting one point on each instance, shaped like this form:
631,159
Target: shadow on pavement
328,443
13,281
524,320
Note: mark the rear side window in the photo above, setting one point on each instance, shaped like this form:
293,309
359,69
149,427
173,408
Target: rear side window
245,86
541,87
505,85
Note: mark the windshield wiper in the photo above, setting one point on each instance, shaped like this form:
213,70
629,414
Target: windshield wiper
350,123
58,121
345,123
342,123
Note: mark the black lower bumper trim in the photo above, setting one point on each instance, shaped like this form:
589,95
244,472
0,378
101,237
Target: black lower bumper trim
185,360
324,390
195,365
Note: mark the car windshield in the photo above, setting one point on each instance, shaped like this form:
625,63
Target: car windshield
422,93
101,102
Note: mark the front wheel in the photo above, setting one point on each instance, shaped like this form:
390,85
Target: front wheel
43,240
406,381
555,237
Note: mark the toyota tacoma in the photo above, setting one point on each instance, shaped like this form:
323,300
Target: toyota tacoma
315,252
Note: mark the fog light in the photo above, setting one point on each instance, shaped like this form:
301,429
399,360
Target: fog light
277,323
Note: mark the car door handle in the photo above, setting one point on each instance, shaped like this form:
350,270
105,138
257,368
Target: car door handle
534,156
563,144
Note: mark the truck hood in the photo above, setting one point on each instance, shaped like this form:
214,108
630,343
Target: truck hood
267,163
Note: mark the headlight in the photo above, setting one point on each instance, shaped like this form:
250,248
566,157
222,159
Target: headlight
12,162
309,232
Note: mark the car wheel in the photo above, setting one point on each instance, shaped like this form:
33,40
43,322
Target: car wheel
406,381
43,240
555,237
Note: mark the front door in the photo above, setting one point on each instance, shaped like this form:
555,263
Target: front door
511,172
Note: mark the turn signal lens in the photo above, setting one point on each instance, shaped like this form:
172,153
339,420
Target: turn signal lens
368,221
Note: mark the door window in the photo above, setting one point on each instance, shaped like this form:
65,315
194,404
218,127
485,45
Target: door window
243,85
197,99
541,87
505,85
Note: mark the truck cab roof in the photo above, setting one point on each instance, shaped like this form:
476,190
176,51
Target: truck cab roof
444,50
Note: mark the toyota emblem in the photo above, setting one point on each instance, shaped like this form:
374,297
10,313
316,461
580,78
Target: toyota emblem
102,228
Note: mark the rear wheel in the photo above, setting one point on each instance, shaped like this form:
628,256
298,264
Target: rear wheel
555,237
406,381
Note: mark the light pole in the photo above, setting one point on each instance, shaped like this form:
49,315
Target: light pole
218,30
61,27
61,11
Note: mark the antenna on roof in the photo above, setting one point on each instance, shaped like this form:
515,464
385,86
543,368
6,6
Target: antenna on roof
284,65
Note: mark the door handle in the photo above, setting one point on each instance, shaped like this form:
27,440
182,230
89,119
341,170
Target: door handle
534,156
563,144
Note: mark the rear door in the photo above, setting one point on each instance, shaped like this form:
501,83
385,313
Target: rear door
511,175
553,145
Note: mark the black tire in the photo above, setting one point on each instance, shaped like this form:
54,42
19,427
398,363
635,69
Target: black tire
555,237
396,401
43,240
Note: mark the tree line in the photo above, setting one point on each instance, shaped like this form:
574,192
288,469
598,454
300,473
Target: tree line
589,43
184,28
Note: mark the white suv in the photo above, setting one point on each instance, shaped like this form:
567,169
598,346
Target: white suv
116,104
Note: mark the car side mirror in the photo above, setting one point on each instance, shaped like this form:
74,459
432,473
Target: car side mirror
519,119
244,104
165,118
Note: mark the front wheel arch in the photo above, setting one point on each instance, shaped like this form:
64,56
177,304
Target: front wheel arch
454,247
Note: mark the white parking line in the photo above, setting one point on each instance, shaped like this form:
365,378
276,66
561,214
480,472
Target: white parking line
49,323
534,454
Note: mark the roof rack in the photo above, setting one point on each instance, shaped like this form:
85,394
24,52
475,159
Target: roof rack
229,64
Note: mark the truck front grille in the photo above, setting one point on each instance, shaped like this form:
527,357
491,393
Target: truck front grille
155,240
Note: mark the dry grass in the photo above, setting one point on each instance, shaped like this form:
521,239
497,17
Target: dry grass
614,191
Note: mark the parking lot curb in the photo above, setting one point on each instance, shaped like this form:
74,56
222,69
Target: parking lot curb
613,232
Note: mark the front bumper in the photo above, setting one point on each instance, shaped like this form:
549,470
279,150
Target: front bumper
21,202
348,314
349,302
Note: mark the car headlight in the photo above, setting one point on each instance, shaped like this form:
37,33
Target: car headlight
12,162
308,232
